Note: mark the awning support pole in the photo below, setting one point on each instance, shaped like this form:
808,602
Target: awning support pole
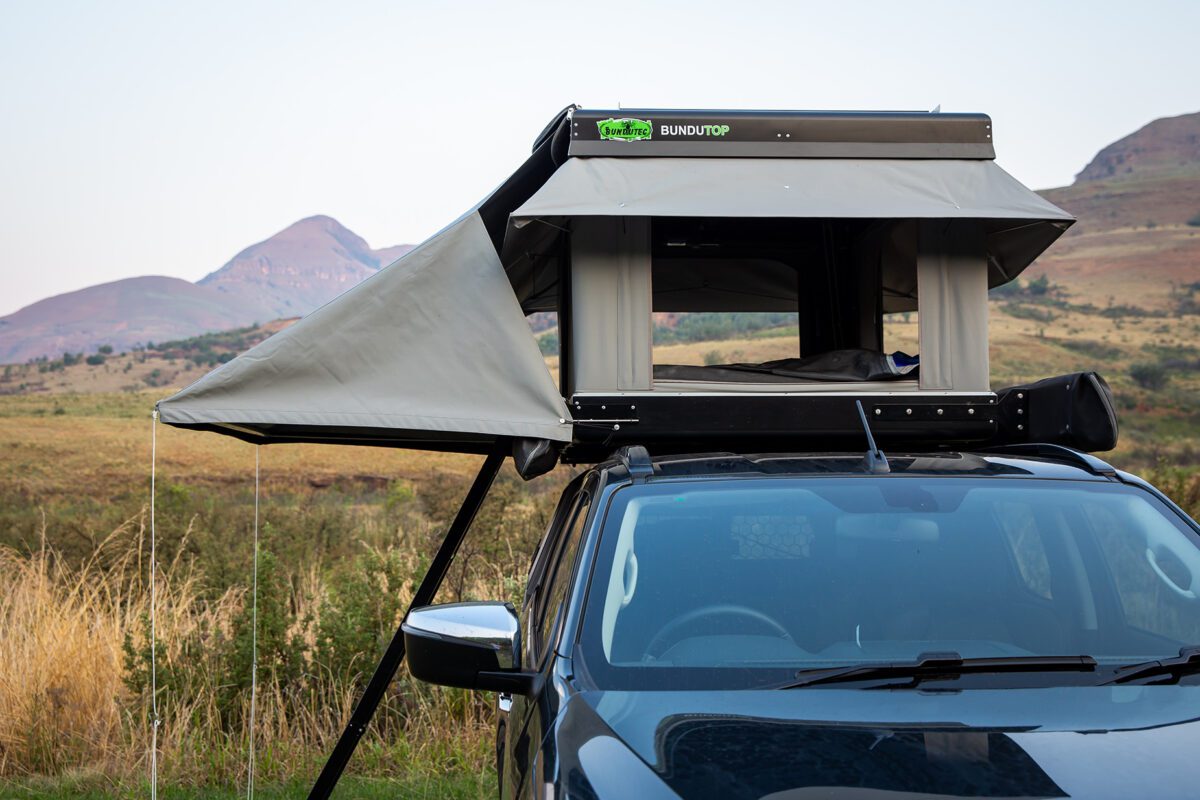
386,670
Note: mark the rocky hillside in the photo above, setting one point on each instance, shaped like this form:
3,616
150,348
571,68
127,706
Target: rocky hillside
302,267
1163,148
1137,241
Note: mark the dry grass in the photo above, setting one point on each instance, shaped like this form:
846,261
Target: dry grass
69,635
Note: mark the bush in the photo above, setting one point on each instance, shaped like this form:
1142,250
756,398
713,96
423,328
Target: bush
713,357
1149,375
105,349
1038,287
1028,312
95,360
1194,221
1092,349
548,344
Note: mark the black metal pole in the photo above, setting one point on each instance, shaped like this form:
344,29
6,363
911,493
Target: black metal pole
390,662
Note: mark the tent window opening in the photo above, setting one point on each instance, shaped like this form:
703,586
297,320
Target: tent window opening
762,300
900,332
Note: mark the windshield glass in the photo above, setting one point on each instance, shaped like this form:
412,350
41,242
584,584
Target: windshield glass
741,583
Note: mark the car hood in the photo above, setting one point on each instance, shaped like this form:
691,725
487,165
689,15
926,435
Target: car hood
1102,742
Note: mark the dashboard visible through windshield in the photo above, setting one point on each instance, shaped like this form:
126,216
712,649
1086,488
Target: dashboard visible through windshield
746,583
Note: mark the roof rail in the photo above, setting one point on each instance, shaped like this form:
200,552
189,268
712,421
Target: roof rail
1058,452
636,459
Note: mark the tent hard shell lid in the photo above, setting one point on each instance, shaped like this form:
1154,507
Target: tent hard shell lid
838,217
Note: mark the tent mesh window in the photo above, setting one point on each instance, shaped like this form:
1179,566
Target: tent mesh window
742,278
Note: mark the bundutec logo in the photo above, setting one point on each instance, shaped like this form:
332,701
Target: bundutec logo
625,129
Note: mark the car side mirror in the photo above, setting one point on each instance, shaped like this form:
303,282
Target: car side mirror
469,645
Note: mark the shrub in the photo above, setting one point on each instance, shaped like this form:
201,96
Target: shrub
95,360
713,357
105,349
1149,375
1038,287
1028,312
1092,349
1194,221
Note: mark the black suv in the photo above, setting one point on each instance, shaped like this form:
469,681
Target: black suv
1016,623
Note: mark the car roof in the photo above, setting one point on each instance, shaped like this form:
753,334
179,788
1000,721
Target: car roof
1030,461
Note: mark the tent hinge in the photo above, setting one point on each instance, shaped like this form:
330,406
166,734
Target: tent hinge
604,412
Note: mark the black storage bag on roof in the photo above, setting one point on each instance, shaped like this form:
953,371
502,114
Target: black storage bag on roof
1074,410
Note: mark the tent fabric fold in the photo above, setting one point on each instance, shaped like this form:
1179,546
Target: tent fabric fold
433,351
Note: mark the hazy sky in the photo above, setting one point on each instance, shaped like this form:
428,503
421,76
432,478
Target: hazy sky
161,138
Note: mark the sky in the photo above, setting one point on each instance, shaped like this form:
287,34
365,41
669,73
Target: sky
141,138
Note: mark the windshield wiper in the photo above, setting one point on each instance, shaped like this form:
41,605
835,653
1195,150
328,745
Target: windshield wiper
1186,663
941,665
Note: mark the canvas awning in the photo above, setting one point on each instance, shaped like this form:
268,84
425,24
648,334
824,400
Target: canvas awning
1019,225
432,352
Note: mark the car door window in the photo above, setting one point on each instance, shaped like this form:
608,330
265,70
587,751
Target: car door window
549,602
542,562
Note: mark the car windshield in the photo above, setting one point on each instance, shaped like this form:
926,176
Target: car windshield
743,583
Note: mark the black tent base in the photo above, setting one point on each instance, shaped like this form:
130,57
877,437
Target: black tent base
1075,410
386,670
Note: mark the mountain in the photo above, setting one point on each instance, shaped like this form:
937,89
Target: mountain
302,267
1138,204
1162,148
287,275
122,313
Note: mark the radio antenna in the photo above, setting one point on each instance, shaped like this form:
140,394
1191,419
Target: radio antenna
875,461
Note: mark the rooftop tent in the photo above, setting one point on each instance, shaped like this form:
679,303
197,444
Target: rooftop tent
838,217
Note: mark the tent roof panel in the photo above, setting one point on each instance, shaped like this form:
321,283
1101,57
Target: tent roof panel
772,187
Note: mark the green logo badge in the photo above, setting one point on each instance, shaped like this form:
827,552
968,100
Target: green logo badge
625,130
